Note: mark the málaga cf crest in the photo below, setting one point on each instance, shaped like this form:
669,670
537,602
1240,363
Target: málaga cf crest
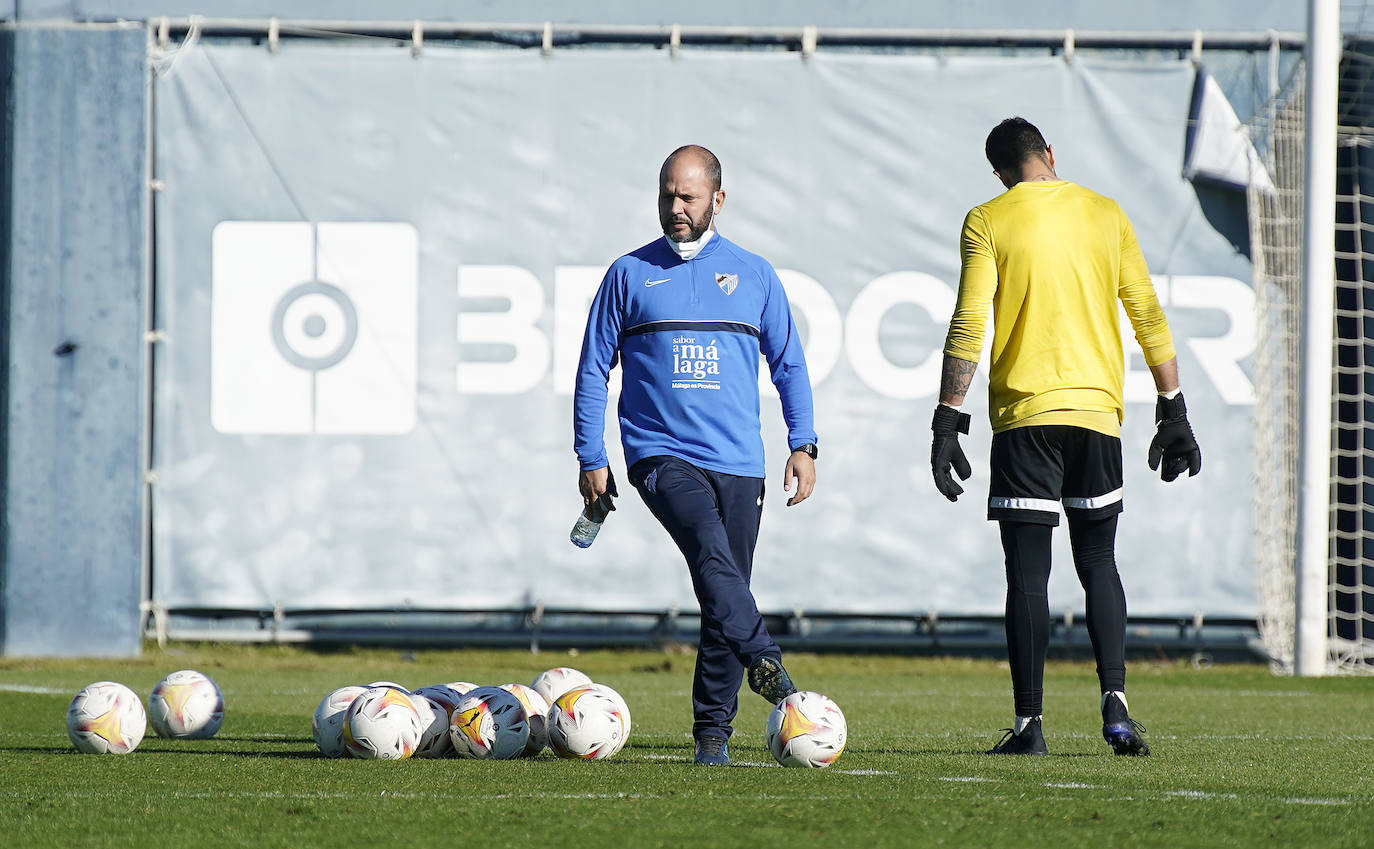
727,282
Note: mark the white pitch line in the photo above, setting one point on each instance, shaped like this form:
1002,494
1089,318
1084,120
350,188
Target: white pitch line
30,688
1073,785
963,778
1265,694
865,772
1186,738
754,763
633,797
576,796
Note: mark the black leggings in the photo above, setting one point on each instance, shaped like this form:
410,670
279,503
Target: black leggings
1027,548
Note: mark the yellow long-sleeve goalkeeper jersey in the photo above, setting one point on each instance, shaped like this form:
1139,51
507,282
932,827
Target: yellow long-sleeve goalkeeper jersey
1053,258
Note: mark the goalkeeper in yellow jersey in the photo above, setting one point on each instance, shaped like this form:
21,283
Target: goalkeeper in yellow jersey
1053,259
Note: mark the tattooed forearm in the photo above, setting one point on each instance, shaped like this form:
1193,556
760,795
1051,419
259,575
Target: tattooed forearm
955,378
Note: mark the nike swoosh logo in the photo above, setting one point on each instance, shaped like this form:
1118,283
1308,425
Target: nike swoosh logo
656,282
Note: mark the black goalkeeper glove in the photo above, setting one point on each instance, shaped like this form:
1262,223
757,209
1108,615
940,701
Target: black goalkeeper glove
1174,442
945,451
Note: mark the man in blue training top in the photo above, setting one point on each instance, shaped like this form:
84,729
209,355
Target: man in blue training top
687,317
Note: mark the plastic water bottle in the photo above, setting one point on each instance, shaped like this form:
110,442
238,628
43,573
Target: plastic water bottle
588,523
584,531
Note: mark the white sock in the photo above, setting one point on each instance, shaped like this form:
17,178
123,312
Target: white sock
1021,722
1120,695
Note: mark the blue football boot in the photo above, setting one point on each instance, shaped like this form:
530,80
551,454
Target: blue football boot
712,751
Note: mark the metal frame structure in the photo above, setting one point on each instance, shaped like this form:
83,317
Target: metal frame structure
807,39
1197,638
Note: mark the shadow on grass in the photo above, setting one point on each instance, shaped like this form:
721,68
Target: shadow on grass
239,753
166,750
39,750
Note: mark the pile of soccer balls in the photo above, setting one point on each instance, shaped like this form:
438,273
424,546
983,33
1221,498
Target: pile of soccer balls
561,709
106,718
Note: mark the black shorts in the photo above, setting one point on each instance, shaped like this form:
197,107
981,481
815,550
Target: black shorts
1035,468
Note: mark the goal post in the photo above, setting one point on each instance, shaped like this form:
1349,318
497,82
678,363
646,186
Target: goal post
1323,56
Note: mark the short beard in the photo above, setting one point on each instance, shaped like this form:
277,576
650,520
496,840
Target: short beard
696,232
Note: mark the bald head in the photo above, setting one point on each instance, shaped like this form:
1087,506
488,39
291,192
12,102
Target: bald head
694,155
689,194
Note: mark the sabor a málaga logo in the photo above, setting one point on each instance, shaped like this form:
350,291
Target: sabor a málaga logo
695,366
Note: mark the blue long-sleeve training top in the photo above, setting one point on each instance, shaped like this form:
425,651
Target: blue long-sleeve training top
688,335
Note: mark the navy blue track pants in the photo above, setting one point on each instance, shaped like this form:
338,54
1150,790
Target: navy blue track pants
714,519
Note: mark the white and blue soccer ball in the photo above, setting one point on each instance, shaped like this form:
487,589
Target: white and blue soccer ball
536,713
327,726
806,729
434,724
106,718
186,705
382,723
443,695
489,724
590,722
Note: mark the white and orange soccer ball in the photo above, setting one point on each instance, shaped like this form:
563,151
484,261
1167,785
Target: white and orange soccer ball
590,722
806,729
621,704
434,722
382,723
106,718
536,713
552,683
186,705
489,724
327,726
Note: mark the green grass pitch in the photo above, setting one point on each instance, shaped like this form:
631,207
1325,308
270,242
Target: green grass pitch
1241,758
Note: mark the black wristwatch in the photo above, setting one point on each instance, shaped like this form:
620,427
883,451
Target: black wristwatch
809,449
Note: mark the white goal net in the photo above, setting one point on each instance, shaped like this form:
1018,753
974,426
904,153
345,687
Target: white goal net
1276,228
1276,251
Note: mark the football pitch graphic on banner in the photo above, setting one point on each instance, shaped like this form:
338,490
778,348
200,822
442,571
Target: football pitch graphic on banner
373,272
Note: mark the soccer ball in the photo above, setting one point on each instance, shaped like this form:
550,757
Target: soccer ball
619,700
805,729
589,723
434,739
106,718
392,684
186,704
443,695
552,683
462,688
327,726
489,724
382,723
536,711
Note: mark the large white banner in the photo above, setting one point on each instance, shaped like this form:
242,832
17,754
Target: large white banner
373,271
